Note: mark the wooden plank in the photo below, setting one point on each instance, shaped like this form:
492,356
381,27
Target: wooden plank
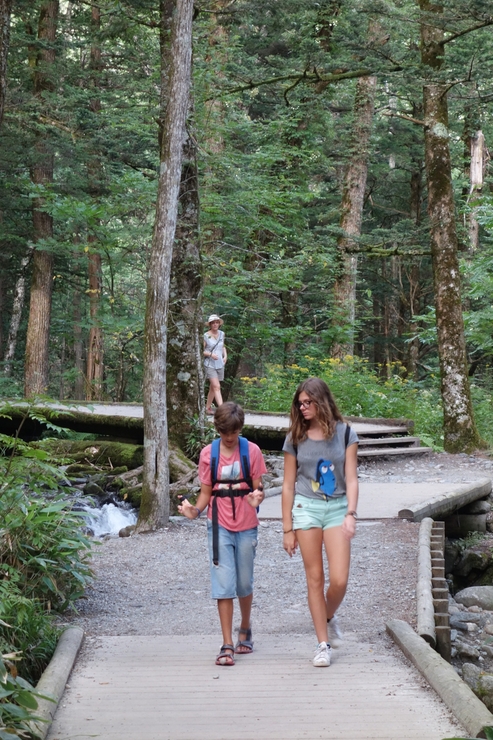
392,441
168,688
391,451
448,502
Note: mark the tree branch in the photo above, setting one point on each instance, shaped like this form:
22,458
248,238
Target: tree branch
390,114
311,77
484,24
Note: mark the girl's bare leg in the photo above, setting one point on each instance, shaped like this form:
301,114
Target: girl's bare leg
214,392
311,542
338,549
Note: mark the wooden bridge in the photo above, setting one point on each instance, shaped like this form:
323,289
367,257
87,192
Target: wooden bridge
125,421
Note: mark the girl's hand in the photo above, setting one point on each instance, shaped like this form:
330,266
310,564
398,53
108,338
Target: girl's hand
213,356
349,526
187,509
255,498
290,543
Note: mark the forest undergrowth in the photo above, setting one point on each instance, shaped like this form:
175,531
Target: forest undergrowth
361,391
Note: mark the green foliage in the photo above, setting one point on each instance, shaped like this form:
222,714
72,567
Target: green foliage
43,551
18,702
44,554
488,733
27,629
358,391
200,434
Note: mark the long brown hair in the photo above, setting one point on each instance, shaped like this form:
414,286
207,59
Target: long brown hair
327,412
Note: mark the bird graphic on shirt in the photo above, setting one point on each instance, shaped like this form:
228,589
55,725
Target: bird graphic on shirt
326,480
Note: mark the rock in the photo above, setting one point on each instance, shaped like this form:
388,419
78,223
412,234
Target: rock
488,628
471,674
127,531
476,507
480,595
465,650
460,621
92,489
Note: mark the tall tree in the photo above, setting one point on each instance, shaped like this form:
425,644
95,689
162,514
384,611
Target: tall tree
154,510
5,12
352,213
185,397
460,431
94,365
38,331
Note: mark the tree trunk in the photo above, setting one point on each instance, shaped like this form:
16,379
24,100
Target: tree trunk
15,320
5,12
78,347
352,216
154,510
185,380
460,432
38,330
476,170
95,364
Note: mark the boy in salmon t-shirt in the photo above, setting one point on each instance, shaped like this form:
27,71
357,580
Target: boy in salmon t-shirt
232,549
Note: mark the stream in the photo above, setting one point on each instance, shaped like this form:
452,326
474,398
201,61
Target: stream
109,518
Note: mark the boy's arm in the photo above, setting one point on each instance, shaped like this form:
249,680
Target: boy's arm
256,496
191,511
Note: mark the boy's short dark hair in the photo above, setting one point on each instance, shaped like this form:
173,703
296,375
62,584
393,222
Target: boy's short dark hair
229,417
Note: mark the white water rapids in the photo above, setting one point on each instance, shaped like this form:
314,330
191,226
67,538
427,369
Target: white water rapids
109,519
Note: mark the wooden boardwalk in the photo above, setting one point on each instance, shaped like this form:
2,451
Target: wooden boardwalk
167,688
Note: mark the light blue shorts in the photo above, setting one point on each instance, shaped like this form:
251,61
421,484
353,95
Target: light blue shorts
233,576
311,512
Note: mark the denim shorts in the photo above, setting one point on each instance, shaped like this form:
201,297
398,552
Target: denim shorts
311,512
233,576
214,372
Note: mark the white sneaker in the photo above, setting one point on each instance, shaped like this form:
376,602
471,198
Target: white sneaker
334,632
322,655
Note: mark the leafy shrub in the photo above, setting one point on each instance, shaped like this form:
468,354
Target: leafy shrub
358,390
43,551
18,702
199,435
27,630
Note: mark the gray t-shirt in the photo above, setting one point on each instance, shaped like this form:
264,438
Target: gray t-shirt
321,464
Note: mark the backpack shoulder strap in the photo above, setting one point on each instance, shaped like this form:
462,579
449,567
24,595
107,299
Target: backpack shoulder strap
245,459
346,435
214,460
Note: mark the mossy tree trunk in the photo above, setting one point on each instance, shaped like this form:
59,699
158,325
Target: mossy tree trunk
460,433
351,217
185,381
154,510
38,328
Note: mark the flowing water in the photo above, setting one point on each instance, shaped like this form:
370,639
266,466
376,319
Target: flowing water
109,518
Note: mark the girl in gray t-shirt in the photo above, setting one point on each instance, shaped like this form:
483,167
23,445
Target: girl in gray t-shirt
319,499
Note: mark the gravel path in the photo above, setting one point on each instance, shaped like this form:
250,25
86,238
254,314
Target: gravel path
158,584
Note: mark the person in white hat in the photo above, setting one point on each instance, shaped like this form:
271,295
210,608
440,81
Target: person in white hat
215,357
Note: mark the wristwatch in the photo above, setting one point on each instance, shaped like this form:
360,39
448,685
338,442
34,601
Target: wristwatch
352,513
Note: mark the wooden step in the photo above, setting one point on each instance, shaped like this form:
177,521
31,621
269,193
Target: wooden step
389,441
394,451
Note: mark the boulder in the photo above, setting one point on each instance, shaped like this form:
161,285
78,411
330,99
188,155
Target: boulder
476,507
476,595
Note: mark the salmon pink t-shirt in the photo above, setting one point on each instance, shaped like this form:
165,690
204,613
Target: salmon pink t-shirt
230,468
